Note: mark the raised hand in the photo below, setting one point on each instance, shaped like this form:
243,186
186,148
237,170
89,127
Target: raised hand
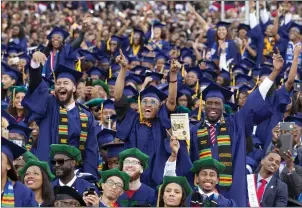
174,144
278,61
121,60
191,8
175,66
39,57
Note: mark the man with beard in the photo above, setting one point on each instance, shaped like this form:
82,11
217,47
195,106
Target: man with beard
271,191
76,123
279,100
134,162
64,159
147,129
224,139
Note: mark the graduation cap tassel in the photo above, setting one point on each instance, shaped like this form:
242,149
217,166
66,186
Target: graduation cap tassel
110,72
131,38
196,88
183,71
108,43
23,74
101,113
14,95
200,107
158,196
234,81
139,107
250,91
78,65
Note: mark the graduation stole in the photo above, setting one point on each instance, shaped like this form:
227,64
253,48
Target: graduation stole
100,164
135,49
198,200
63,128
28,145
224,150
268,46
8,198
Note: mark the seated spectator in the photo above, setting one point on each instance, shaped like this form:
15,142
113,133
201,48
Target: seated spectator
66,196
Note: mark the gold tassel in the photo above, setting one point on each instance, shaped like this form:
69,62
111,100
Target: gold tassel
108,43
195,183
282,81
196,88
14,95
106,81
200,107
101,113
158,196
250,91
110,72
23,75
78,65
139,107
131,37
237,93
234,81
183,71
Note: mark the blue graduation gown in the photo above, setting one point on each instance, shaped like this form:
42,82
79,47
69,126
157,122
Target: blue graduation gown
80,185
234,123
278,100
257,43
145,195
231,52
46,107
218,198
142,137
24,197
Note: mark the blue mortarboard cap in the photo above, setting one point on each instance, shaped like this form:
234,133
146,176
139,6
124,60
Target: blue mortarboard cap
204,81
162,55
115,38
214,90
225,74
186,52
114,149
13,48
195,70
134,59
139,69
136,79
242,78
244,88
8,117
111,81
89,56
96,71
11,150
240,69
13,73
136,30
295,25
158,24
155,76
58,30
244,27
210,74
148,59
103,59
65,72
152,91
115,67
163,87
211,65
20,128
247,63
297,118
105,136
223,24
256,72
265,72
108,104
25,57
129,91
184,89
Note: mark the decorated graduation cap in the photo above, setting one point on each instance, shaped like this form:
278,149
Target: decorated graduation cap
244,27
43,165
60,31
297,118
180,180
12,151
205,163
94,102
105,136
19,128
129,91
242,78
155,76
66,72
295,25
67,150
96,71
116,172
114,149
102,84
13,73
223,24
136,153
66,192
214,90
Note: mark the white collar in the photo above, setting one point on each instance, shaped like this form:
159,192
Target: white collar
209,124
202,193
70,183
70,106
259,178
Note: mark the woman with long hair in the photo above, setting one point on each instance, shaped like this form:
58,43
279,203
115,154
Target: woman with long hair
37,176
15,107
174,192
18,36
136,42
14,193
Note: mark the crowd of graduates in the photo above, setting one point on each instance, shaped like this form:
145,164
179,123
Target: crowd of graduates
88,90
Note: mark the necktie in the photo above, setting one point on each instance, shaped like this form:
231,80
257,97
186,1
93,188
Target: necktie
261,189
212,133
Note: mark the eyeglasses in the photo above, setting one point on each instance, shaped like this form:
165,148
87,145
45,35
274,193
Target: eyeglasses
128,162
59,161
151,102
110,183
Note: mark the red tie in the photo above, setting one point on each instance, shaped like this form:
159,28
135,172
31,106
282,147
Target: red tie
261,189
212,133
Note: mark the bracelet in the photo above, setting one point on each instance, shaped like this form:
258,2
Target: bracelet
173,81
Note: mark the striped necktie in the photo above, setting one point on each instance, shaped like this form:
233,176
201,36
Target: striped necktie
212,133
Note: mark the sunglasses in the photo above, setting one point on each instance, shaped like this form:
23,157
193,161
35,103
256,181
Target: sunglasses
59,161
